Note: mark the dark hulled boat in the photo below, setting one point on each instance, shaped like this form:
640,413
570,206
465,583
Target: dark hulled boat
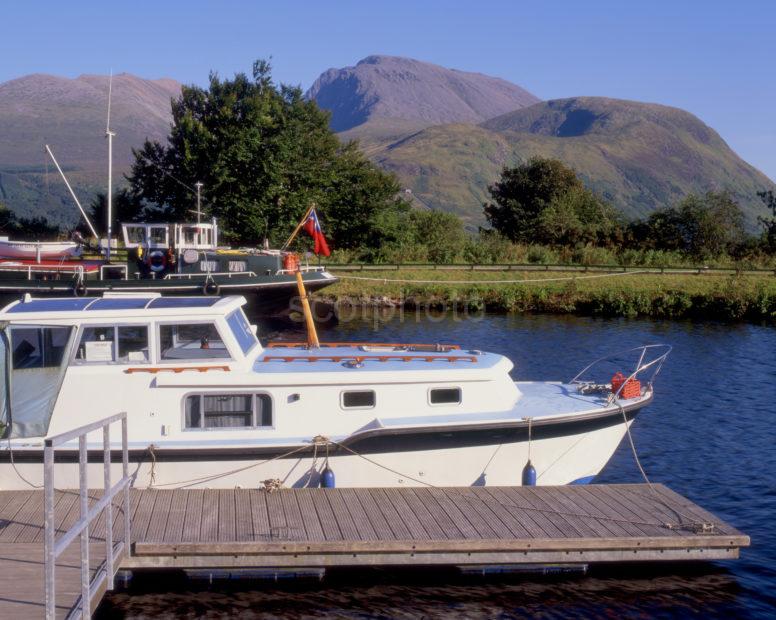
171,259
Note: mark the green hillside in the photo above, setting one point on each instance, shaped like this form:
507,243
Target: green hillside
639,156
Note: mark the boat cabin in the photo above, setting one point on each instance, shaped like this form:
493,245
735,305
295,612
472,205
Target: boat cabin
162,236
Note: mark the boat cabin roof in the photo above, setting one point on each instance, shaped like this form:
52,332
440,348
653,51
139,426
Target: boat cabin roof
144,306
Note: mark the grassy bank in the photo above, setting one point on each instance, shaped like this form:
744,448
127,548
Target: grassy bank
745,297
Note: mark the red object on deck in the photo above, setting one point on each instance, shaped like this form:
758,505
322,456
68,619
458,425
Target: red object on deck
290,262
631,389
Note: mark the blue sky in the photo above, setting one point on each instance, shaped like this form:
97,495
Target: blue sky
715,59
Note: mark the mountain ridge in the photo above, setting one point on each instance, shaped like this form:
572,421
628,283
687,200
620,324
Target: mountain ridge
428,93
434,135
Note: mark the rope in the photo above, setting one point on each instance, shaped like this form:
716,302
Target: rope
272,484
18,473
477,282
210,478
693,525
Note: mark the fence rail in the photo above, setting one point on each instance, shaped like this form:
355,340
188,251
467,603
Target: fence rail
696,270
53,546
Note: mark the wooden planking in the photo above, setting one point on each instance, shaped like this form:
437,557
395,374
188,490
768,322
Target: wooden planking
226,514
208,530
330,528
358,515
390,514
439,501
194,528
401,506
160,515
259,515
432,527
243,525
345,522
192,521
176,517
311,519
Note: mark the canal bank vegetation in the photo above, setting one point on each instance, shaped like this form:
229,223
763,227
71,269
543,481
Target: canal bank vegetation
631,294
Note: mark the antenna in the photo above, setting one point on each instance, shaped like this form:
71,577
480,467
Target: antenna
109,134
198,185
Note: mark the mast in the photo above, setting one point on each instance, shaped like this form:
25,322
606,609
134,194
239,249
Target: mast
198,185
109,134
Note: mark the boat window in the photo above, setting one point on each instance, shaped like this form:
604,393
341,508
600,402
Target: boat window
98,344
135,234
157,235
237,266
208,265
242,330
445,396
191,341
39,347
214,411
133,344
362,399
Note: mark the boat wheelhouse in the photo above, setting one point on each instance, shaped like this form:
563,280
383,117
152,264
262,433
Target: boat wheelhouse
208,405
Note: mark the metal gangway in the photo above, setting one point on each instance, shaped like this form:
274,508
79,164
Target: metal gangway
54,546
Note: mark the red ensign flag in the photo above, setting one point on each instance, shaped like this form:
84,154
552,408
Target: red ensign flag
313,228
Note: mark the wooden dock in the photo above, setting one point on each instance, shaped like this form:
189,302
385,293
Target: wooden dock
320,528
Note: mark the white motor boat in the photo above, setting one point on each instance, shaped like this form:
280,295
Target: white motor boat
39,250
208,406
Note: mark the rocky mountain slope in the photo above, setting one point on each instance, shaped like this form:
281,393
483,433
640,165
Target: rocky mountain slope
639,156
70,116
389,88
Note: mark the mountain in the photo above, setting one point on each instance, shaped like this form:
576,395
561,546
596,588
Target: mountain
70,115
389,89
639,156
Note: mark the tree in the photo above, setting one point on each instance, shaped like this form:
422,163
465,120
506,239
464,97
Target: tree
264,154
441,233
543,201
769,223
701,226
126,207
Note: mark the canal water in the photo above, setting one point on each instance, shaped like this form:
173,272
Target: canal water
710,434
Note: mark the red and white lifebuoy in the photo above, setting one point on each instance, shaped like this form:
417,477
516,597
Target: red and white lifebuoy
156,261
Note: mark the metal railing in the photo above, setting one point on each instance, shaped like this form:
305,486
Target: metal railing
53,546
690,270
650,360
303,269
208,274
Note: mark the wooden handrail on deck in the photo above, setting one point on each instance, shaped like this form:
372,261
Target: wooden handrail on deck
176,369
365,358
279,344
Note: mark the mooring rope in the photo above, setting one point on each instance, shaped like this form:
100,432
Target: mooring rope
478,282
18,473
692,525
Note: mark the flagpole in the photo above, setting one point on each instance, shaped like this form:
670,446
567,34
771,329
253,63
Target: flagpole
298,227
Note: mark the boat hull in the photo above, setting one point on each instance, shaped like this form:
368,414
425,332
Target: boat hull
271,295
46,250
566,452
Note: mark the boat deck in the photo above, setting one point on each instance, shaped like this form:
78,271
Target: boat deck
237,529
